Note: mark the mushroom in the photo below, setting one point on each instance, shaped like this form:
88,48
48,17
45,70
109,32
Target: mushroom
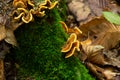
40,11
22,3
69,43
75,46
49,4
28,17
71,46
75,30
64,26
19,4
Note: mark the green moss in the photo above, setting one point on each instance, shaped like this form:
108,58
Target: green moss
39,53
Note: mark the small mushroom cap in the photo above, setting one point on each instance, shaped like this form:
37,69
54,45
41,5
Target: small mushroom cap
53,5
69,43
22,3
28,17
40,11
30,3
70,53
22,10
75,46
77,31
19,4
19,16
49,4
64,26
41,8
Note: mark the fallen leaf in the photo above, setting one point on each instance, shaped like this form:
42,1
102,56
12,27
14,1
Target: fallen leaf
112,17
102,32
10,38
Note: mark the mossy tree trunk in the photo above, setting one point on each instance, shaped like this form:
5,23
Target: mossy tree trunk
39,53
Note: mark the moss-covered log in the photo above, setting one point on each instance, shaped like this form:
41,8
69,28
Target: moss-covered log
39,55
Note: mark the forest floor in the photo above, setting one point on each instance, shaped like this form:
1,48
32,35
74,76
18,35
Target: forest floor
100,39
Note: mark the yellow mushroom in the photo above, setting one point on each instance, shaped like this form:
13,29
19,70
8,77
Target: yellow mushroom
69,43
19,4
22,10
75,46
30,3
64,26
19,16
77,31
40,11
49,4
28,17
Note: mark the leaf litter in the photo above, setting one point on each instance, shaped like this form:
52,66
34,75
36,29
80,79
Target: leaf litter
100,39
97,41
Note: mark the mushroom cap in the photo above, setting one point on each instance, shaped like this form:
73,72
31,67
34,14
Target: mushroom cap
22,3
22,10
28,17
40,11
49,4
77,31
19,16
53,5
19,4
64,26
69,43
30,3
75,46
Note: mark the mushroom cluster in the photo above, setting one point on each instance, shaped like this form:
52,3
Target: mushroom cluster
26,9
72,45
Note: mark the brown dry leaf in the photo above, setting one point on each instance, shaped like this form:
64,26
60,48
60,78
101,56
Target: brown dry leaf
103,37
110,38
93,53
95,70
102,32
10,38
110,74
113,58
